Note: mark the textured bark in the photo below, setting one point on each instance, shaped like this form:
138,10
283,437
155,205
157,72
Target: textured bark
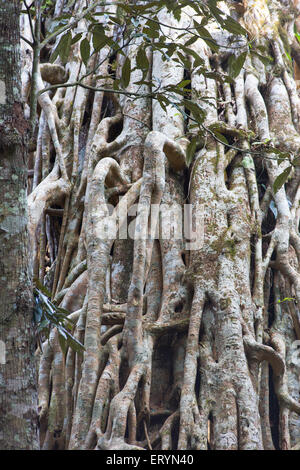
185,347
18,391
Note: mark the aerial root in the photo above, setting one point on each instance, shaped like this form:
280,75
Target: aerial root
261,352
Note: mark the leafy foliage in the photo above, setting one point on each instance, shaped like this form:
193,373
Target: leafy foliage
47,315
281,179
140,20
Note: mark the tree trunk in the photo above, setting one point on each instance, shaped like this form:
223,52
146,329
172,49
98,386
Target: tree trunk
18,391
189,343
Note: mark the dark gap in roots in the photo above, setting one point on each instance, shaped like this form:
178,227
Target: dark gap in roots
88,109
262,178
145,303
83,135
123,371
111,69
198,379
55,446
186,182
205,326
221,107
253,239
228,219
55,228
273,411
271,310
162,372
188,88
175,433
179,307
214,349
234,108
52,157
232,165
114,130
140,432
93,442
231,141
108,108
138,400
210,429
127,427
105,413
112,250
158,419
269,222
263,89
183,257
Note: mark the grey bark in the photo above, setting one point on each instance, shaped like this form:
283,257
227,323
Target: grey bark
18,391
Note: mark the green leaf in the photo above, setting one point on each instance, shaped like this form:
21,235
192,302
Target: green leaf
153,25
281,179
171,48
233,26
62,342
183,83
142,60
47,315
235,64
296,161
62,332
220,137
206,36
184,60
126,72
85,50
286,299
163,101
99,40
198,113
288,56
116,20
190,151
76,38
215,11
42,288
151,33
191,41
75,344
177,14
197,59
63,48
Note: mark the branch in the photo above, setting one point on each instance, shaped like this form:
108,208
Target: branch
30,20
89,87
27,40
72,23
